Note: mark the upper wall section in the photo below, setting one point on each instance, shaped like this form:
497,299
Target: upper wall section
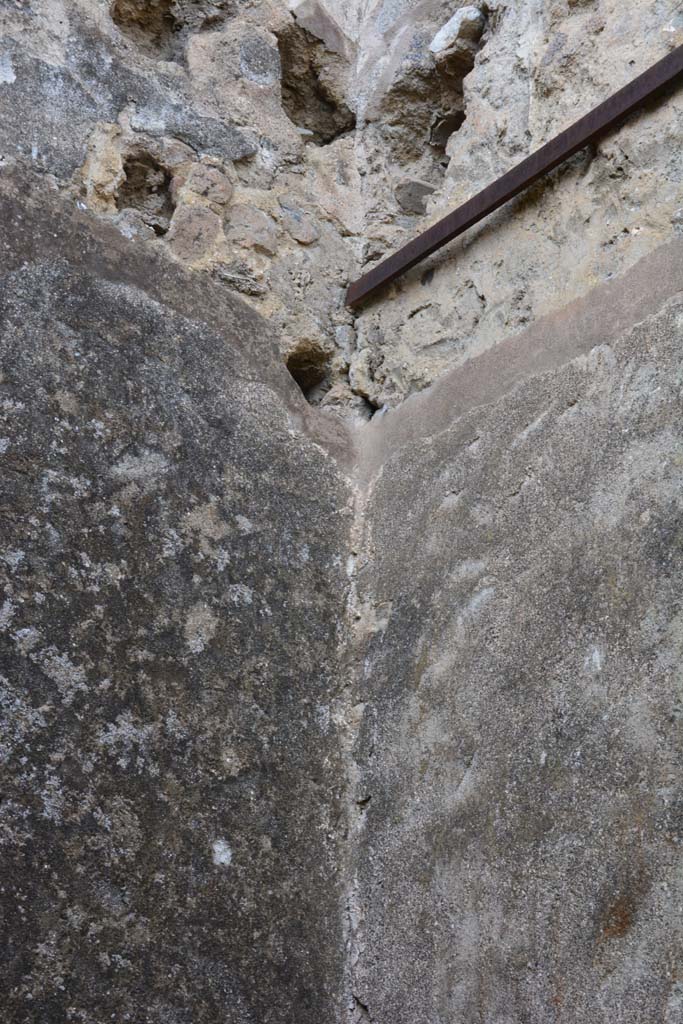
538,67
280,147
218,132
172,604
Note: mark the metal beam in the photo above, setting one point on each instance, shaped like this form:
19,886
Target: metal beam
585,131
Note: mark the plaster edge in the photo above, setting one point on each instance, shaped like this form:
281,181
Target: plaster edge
597,318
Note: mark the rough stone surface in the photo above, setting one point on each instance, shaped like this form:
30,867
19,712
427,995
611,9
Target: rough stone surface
193,96
306,718
539,66
193,233
253,229
172,788
334,107
412,195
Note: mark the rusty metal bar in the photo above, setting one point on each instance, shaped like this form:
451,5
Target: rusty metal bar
583,132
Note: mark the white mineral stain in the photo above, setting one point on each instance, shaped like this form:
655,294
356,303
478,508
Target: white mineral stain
475,604
674,1004
469,570
530,429
7,76
222,559
207,523
53,799
450,501
140,467
221,854
128,738
13,558
6,614
70,678
244,525
240,594
27,638
322,717
594,660
200,627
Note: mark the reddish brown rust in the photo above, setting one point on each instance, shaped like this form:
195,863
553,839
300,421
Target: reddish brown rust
582,133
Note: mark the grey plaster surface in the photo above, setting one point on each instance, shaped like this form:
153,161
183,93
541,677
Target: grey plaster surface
519,776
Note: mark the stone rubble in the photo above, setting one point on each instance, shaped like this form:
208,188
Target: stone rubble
289,146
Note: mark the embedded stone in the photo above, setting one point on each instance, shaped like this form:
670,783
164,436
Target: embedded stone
412,194
296,223
238,274
259,61
253,229
466,26
312,16
209,183
193,232
131,224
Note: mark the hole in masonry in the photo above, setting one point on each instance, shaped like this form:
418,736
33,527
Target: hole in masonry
434,117
312,86
147,189
362,1011
424,107
419,123
309,366
149,23
454,49
443,126
160,28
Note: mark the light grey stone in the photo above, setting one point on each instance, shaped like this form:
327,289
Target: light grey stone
259,61
296,223
466,25
253,229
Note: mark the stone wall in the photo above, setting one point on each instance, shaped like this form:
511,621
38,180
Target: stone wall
537,67
283,147
309,718
173,789
517,771
171,120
